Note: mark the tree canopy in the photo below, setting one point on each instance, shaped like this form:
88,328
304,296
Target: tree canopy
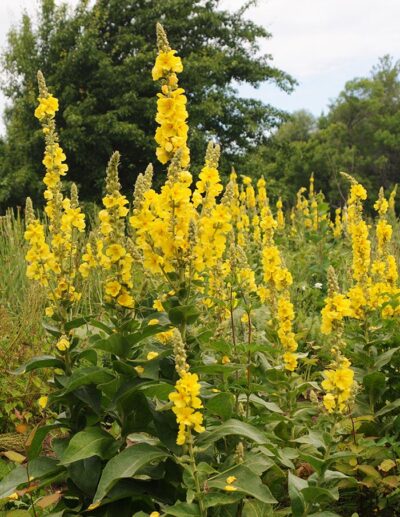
97,60
360,135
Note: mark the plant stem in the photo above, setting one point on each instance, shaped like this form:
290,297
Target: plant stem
199,495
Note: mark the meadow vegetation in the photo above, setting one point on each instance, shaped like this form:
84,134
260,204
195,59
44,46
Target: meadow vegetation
197,349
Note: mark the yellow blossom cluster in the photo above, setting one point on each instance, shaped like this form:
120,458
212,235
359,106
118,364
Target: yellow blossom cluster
109,251
172,132
54,264
339,384
187,402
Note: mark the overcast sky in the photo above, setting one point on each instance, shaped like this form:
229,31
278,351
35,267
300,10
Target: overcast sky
322,43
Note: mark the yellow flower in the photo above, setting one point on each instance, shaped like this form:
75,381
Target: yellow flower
344,378
230,488
329,402
43,401
49,311
63,344
139,370
225,359
113,288
155,514
125,300
154,321
157,304
14,496
115,252
230,479
152,355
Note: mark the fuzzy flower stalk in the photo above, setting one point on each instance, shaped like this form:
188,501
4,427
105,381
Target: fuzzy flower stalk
185,398
53,263
172,132
111,253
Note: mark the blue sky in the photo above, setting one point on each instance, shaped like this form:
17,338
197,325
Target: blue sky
322,43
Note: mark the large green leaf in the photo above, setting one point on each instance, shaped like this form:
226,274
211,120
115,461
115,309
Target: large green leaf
253,508
125,465
36,438
386,357
38,468
296,485
114,344
183,314
15,478
43,361
76,323
85,376
93,441
233,427
375,385
246,481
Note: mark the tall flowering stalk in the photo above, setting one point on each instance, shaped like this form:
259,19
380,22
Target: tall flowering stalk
172,132
54,264
111,253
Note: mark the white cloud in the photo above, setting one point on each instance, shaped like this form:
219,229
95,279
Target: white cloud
313,37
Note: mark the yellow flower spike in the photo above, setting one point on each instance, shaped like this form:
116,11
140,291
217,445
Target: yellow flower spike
171,135
186,401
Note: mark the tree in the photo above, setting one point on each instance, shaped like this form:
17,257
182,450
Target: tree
97,60
360,134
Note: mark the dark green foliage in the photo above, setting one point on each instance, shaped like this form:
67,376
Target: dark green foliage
97,60
360,135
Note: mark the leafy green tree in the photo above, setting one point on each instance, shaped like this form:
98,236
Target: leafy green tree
360,134
97,60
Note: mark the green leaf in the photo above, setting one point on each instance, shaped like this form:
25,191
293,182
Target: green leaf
183,510
125,465
183,314
271,406
114,344
84,376
36,438
313,438
298,504
385,358
38,468
233,427
257,509
246,482
388,408
315,494
12,481
43,361
220,499
93,441
76,323
221,405
375,385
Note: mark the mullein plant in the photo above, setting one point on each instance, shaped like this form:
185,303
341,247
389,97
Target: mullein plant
110,250
52,259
